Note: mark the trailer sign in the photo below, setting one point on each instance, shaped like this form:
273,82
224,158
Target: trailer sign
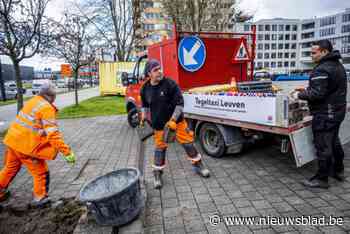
253,109
191,53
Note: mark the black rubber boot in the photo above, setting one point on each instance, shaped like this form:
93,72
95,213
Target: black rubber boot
157,179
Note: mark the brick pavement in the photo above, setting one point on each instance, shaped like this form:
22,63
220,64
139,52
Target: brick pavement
260,182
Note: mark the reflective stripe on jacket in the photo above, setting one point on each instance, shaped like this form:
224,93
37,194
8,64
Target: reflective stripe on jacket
35,131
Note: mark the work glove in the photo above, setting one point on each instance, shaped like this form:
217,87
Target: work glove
70,158
171,124
294,95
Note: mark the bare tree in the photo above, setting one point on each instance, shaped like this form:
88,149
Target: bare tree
202,15
21,28
71,40
117,22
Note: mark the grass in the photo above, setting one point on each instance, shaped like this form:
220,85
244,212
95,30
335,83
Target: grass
96,106
12,101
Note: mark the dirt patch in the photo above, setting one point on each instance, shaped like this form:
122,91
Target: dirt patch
58,217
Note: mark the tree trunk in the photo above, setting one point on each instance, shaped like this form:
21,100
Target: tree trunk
76,74
19,86
2,85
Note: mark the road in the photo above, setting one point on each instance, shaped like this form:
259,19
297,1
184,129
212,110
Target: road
8,112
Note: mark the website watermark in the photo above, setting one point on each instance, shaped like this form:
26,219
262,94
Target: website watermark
276,220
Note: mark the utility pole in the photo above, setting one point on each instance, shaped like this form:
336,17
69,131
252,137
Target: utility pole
2,85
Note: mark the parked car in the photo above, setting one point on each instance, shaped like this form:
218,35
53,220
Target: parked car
11,87
9,95
61,84
37,85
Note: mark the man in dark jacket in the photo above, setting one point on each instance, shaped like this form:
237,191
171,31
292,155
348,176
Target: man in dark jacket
326,96
162,99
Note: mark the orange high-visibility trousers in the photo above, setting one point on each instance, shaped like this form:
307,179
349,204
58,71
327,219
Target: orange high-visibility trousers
38,168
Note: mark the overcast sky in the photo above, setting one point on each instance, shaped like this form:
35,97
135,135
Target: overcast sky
262,9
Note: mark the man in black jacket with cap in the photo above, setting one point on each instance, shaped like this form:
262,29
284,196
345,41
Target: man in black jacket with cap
326,97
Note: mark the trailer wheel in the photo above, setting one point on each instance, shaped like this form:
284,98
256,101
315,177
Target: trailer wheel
133,118
211,140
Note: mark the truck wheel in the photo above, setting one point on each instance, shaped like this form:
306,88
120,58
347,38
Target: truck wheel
133,118
211,140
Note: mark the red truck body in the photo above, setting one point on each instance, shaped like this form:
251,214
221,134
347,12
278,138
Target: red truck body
220,66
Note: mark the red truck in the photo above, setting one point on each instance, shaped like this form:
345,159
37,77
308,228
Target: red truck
224,122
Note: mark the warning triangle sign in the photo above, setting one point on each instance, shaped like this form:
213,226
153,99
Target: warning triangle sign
241,54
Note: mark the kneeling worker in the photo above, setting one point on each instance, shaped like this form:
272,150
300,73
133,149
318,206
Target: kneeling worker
32,139
162,97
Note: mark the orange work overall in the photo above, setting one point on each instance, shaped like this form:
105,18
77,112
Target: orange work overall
31,139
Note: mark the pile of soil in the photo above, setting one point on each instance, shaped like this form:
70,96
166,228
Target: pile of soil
59,217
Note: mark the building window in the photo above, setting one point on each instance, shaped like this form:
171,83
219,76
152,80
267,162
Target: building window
266,64
280,37
280,46
287,27
273,46
266,56
281,27
267,37
292,63
260,64
286,64
327,32
273,64
307,35
280,55
306,54
345,28
260,55
295,27
260,37
294,46
293,55
148,4
273,55
274,37
287,36
267,27
306,45
346,18
308,26
327,21
261,27
274,27
286,55
286,46
294,37
260,46
279,64
267,46
246,27
148,27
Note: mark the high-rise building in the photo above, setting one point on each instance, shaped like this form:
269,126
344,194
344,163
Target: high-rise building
155,24
284,45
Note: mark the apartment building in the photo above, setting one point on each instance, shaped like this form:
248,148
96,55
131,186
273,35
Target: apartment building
284,45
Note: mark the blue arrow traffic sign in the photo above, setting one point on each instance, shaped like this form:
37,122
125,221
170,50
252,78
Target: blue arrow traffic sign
191,53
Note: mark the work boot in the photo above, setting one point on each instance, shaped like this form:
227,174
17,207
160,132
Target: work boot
200,169
339,176
4,195
37,203
157,179
315,182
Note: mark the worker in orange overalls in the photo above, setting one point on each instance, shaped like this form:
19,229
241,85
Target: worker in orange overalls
162,99
32,139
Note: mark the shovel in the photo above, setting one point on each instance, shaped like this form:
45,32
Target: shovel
144,132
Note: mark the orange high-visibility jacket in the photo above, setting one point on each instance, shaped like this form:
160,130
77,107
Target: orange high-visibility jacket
35,131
